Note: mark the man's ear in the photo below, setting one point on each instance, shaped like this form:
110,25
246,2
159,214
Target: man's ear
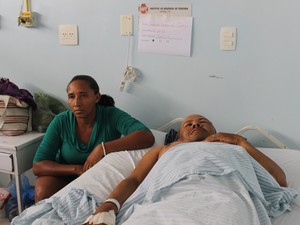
178,135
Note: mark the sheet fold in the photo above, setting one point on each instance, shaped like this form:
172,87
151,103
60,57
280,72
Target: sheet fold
71,209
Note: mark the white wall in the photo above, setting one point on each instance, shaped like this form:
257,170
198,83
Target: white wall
256,84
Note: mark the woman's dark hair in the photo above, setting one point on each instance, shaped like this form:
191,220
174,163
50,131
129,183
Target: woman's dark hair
105,100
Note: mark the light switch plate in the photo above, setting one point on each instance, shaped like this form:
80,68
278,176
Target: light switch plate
126,25
68,34
228,38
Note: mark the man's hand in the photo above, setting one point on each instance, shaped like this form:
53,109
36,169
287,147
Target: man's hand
234,139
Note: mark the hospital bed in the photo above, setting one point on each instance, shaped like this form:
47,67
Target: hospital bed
97,183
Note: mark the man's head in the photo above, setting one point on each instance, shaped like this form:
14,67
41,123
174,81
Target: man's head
195,128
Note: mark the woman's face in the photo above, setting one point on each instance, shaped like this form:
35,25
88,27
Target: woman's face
82,99
195,128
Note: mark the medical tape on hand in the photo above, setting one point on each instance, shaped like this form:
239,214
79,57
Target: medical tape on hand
108,218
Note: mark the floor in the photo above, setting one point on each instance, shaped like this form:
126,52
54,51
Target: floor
4,221
4,180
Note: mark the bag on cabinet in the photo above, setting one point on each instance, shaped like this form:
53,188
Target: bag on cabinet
16,106
15,116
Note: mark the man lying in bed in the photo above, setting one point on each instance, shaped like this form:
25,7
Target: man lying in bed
231,187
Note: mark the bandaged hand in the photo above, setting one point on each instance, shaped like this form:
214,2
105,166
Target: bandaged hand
107,218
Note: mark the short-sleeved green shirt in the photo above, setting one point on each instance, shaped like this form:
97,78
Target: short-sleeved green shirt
60,143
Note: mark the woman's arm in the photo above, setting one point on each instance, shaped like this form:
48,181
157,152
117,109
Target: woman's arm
261,158
136,140
135,134
51,168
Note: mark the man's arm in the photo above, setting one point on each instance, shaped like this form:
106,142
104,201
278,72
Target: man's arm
261,158
126,187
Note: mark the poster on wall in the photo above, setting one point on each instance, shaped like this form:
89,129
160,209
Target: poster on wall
165,28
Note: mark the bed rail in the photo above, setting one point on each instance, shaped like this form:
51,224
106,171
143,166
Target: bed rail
270,137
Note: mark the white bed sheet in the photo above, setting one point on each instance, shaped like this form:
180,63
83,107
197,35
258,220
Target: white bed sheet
289,161
110,170
104,176
207,159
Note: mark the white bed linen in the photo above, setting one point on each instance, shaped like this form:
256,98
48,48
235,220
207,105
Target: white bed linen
191,206
202,158
289,161
104,176
70,209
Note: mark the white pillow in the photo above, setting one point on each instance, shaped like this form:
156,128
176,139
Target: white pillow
159,137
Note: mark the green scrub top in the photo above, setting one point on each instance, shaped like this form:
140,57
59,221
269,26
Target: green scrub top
60,143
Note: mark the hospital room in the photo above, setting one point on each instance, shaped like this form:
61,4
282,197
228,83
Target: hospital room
235,63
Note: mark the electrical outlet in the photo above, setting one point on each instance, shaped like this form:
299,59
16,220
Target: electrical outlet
68,34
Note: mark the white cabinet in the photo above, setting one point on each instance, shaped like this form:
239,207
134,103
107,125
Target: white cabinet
6,162
16,155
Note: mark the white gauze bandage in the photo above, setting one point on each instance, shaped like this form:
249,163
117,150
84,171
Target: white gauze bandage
108,218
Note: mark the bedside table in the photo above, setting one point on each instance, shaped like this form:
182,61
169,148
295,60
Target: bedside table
16,155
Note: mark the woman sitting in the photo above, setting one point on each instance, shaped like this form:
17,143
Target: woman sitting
80,137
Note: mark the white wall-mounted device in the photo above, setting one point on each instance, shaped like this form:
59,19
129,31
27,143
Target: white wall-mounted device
126,25
228,38
68,34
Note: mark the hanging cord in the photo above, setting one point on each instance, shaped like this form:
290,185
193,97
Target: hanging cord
27,6
129,72
22,6
20,19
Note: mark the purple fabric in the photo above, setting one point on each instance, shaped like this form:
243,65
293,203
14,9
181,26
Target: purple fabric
9,88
